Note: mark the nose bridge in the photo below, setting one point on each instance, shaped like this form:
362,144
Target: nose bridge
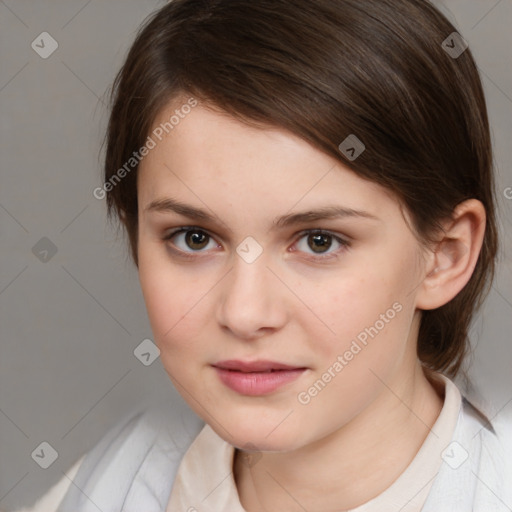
250,299
248,276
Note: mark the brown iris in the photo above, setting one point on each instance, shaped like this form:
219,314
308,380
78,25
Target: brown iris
319,242
196,240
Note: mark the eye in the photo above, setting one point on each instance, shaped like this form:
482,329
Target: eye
321,243
190,239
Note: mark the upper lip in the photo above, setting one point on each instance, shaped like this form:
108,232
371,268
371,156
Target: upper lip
254,366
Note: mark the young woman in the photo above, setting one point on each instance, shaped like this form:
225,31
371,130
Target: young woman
307,189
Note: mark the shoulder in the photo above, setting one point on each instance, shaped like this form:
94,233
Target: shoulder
496,448
476,468
490,453
51,500
136,460
492,426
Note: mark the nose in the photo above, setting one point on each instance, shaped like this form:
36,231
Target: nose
252,302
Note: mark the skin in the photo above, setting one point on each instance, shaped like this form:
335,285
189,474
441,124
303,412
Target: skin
353,439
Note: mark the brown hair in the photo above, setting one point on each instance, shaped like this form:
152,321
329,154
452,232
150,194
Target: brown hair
326,69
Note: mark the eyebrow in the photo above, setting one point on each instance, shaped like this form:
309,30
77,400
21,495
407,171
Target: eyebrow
325,213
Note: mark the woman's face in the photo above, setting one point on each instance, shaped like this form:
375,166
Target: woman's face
289,258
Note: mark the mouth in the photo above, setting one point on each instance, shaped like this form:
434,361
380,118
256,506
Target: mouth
260,366
257,377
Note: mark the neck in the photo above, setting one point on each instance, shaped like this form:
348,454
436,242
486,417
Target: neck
353,464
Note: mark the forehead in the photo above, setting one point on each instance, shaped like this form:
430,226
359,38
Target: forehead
211,159
213,140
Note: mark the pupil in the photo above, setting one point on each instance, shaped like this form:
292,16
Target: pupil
321,243
196,240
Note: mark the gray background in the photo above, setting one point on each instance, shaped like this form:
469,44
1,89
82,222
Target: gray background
69,325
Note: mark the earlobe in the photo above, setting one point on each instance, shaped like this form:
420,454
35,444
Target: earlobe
453,257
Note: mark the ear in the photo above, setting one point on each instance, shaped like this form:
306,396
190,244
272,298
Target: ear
452,258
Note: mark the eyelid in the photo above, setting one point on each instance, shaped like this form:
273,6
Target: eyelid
320,231
184,229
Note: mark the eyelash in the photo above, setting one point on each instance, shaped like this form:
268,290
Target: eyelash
192,255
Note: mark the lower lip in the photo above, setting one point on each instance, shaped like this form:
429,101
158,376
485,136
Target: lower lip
257,383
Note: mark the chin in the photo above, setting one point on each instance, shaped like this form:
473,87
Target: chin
252,435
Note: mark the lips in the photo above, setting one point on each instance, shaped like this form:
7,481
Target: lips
254,366
256,377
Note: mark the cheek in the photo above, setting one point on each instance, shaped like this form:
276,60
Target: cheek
173,300
178,324
348,303
365,348
368,319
